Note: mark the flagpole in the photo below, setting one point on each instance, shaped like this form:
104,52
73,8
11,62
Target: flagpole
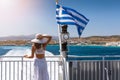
61,52
56,1
59,35
60,41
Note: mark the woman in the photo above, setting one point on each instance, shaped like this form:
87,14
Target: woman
38,48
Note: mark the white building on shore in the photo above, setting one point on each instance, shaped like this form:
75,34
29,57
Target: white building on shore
113,44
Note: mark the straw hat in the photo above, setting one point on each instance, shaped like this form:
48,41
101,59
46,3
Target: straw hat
38,35
36,41
38,38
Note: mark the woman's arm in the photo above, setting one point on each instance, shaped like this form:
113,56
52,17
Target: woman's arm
32,53
48,39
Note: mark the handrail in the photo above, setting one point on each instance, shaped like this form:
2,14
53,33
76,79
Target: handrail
75,56
90,58
22,56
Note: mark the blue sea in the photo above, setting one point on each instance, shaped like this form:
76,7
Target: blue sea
54,49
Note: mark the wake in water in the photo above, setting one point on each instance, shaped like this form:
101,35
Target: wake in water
21,52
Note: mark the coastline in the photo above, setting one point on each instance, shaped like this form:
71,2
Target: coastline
27,43
93,40
17,42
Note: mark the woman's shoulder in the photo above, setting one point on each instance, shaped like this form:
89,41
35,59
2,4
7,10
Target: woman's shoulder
33,47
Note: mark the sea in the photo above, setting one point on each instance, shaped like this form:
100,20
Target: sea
76,50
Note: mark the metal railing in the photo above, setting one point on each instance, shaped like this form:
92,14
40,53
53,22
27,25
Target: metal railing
77,68
19,68
94,68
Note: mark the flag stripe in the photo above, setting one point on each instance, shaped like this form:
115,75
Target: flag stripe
63,18
65,15
70,20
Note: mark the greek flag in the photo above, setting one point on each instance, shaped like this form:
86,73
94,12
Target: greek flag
68,16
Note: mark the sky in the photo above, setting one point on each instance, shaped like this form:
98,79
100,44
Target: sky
25,17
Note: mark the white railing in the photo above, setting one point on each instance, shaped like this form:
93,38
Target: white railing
19,68
94,67
77,68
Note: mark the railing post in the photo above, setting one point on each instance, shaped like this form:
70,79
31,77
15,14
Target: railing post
70,70
22,69
65,76
103,68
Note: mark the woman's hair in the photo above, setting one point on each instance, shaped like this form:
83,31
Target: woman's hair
37,45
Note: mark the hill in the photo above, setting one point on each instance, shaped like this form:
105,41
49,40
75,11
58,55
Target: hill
97,39
25,39
21,40
22,37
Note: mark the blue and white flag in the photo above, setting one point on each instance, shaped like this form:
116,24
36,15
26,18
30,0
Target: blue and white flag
68,16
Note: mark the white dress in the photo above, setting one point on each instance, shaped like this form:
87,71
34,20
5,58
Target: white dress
40,67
